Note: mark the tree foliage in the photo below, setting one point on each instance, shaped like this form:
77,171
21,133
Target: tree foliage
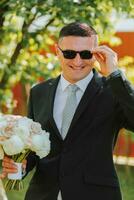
29,29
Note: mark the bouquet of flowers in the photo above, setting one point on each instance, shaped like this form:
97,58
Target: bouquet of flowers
18,137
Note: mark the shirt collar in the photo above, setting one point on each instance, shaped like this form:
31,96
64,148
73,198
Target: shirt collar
82,84
64,83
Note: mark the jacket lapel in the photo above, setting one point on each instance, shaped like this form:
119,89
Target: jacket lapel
93,87
52,90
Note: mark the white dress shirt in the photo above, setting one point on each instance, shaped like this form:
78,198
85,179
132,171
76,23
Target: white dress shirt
61,96
60,100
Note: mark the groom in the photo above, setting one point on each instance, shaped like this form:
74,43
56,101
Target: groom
83,112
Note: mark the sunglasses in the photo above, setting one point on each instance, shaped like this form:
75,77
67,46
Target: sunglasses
70,54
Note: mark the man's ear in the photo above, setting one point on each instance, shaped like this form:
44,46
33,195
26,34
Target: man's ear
56,49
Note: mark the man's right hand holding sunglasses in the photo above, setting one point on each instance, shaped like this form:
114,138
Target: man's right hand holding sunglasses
107,59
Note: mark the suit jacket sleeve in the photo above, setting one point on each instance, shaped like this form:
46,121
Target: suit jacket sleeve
123,92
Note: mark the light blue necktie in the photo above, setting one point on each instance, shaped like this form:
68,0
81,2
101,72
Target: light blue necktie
69,109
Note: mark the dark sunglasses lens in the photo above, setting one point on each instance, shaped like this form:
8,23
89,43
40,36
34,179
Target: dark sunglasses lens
86,54
69,54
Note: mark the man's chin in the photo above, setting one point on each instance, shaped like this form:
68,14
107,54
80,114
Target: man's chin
77,78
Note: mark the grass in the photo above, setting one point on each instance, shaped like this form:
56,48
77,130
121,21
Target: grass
19,195
126,177
125,174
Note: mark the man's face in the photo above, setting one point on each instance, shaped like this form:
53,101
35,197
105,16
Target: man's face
77,68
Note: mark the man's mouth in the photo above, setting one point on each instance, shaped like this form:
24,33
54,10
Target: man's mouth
77,68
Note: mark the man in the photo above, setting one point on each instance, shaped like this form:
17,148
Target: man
83,111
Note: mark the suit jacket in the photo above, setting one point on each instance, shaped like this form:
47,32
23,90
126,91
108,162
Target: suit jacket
81,166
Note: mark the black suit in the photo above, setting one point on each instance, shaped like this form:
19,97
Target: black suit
81,166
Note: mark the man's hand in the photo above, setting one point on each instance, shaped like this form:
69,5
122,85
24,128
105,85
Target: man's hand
107,59
8,166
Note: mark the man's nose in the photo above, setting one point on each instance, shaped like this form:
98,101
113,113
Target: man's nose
77,60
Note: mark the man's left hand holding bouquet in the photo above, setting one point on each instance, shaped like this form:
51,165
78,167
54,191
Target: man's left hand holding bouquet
9,166
19,136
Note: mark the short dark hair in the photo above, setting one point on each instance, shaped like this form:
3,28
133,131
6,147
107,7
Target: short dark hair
77,29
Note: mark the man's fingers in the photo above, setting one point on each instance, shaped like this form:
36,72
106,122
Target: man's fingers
101,60
24,163
99,57
8,166
3,175
104,48
10,170
8,159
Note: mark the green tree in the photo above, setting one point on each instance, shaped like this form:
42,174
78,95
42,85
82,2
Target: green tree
29,29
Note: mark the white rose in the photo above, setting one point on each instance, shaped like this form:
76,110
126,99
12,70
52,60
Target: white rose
3,124
40,143
36,128
42,153
22,132
25,122
1,117
13,145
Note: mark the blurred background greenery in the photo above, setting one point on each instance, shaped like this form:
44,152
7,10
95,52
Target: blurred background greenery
28,31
